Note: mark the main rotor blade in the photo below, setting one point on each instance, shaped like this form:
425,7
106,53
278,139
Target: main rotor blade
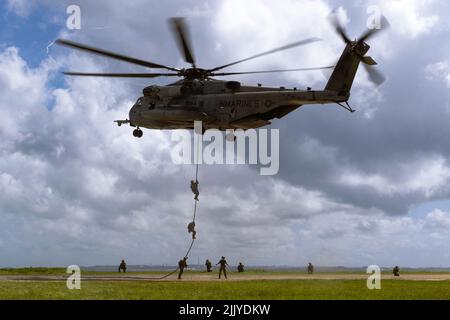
111,55
384,24
374,75
121,75
180,31
289,46
338,27
268,71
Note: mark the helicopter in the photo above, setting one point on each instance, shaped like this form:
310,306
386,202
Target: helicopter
223,105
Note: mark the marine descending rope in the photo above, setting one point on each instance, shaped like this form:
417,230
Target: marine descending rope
193,219
193,238
188,251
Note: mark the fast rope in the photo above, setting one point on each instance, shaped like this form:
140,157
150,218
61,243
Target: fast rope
193,219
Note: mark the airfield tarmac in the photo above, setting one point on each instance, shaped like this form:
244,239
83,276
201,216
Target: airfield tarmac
233,277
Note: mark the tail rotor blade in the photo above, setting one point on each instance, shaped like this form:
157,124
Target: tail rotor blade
384,25
374,75
340,30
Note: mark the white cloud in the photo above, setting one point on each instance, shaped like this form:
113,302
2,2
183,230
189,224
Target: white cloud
410,18
439,70
376,239
62,168
21,7
85,183
72,183
437,220
22,88
244,28
75,176
428,177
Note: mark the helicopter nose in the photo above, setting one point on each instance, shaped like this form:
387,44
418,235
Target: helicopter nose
134,116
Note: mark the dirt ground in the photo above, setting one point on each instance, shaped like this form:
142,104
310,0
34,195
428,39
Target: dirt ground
232,277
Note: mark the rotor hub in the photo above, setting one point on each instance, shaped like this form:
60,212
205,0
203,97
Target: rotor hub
194,73
360,47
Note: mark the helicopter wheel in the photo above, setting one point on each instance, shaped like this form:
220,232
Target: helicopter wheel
138,133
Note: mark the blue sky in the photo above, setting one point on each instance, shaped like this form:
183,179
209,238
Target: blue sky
353,189
32,33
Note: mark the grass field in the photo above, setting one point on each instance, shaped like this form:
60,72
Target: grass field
267,290
225,289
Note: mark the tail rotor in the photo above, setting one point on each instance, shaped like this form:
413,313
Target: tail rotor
359,47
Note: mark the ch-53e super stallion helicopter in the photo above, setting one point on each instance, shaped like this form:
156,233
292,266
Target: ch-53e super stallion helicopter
229,104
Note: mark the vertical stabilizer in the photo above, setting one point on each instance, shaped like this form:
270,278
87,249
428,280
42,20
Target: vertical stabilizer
344,73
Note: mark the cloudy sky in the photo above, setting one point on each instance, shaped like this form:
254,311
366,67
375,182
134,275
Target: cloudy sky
352,190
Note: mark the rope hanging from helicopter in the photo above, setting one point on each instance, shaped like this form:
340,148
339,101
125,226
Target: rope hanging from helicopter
191,223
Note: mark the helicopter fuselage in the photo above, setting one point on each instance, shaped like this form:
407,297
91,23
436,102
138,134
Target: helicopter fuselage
220,105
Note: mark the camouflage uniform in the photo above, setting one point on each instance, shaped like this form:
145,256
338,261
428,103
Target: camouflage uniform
181,265
396,271
191,229
310,268
123,266
194,188
208,265
223,264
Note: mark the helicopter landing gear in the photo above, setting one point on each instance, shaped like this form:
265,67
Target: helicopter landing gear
346,106
138,133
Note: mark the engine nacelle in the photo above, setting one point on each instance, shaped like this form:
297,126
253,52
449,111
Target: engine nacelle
233,86
160,92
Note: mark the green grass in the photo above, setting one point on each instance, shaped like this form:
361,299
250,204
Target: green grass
269,289
32,271
254,289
